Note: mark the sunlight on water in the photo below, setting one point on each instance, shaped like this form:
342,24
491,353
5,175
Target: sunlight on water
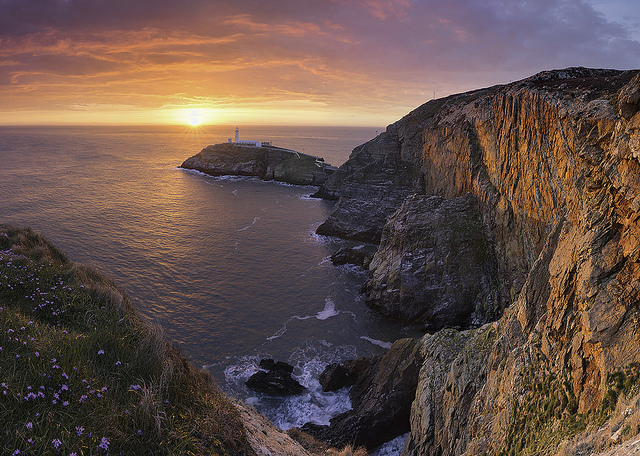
231,267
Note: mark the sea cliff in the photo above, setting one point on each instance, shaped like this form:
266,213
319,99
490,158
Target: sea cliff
510,214
266,162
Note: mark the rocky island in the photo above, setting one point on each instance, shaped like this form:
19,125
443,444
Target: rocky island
507,220
260,159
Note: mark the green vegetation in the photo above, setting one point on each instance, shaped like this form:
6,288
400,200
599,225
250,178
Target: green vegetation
82,374
547,413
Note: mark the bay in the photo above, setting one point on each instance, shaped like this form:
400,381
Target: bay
230,267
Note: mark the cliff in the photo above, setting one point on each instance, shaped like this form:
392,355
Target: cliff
266,162
524,197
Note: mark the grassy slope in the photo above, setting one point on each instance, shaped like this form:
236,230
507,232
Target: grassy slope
81,373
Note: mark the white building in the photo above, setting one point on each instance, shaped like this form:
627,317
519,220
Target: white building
247,142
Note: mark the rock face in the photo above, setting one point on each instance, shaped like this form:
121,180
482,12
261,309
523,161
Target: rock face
553,164
381,398
435,266
267,163
370,186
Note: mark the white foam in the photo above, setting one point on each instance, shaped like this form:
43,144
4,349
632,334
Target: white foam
391,448
283,330
255,219
328,311
241,370
313,405
379,343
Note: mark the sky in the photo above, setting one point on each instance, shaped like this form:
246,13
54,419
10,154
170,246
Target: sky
330,62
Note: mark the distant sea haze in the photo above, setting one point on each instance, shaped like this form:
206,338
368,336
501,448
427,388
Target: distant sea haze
231,267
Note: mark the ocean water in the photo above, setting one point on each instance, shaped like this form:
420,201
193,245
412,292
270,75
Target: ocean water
230,267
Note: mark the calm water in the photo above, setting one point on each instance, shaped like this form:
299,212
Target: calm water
230,267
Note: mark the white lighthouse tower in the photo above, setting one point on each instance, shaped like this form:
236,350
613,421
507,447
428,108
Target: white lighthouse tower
237,135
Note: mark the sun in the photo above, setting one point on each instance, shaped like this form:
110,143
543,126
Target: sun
195,117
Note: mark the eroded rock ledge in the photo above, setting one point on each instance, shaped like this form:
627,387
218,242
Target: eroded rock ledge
266,162
552,164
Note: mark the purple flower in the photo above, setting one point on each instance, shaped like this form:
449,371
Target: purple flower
29,425
16,452
79,430
101,352
56,443
104,443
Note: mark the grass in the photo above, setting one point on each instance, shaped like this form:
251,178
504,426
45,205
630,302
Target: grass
82,374
545,418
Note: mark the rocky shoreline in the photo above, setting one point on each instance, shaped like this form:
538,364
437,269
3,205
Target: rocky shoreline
507,219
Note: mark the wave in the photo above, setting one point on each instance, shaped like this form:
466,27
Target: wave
255,219
379,343
328,311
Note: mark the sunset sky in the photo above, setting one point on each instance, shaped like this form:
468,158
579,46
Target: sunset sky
331,62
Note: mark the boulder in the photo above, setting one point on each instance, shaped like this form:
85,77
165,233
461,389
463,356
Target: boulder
360,255
275,380
336,376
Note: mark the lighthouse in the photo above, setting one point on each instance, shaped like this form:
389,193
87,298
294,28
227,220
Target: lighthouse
247,143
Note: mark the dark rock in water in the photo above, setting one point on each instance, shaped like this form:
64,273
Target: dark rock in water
266,162
276,380
381,398
270,364
336,376
435,266
359,256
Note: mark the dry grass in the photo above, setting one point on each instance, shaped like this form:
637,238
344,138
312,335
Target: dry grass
320,448
623,424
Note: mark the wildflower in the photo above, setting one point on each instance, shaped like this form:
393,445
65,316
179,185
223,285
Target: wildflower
16,452
56,443
79,430
104,443
29,425
65,403
37,355
101,352
139,431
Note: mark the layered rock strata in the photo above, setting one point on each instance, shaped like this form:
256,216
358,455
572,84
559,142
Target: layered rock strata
267,163
435,266
553,164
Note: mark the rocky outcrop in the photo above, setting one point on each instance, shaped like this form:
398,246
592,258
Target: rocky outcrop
553,164
360,255
340,375
369,187
381,399
435,266
266,162
275,379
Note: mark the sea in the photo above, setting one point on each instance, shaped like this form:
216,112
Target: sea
230,267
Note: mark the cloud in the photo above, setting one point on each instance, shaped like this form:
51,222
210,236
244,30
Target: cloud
382,55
